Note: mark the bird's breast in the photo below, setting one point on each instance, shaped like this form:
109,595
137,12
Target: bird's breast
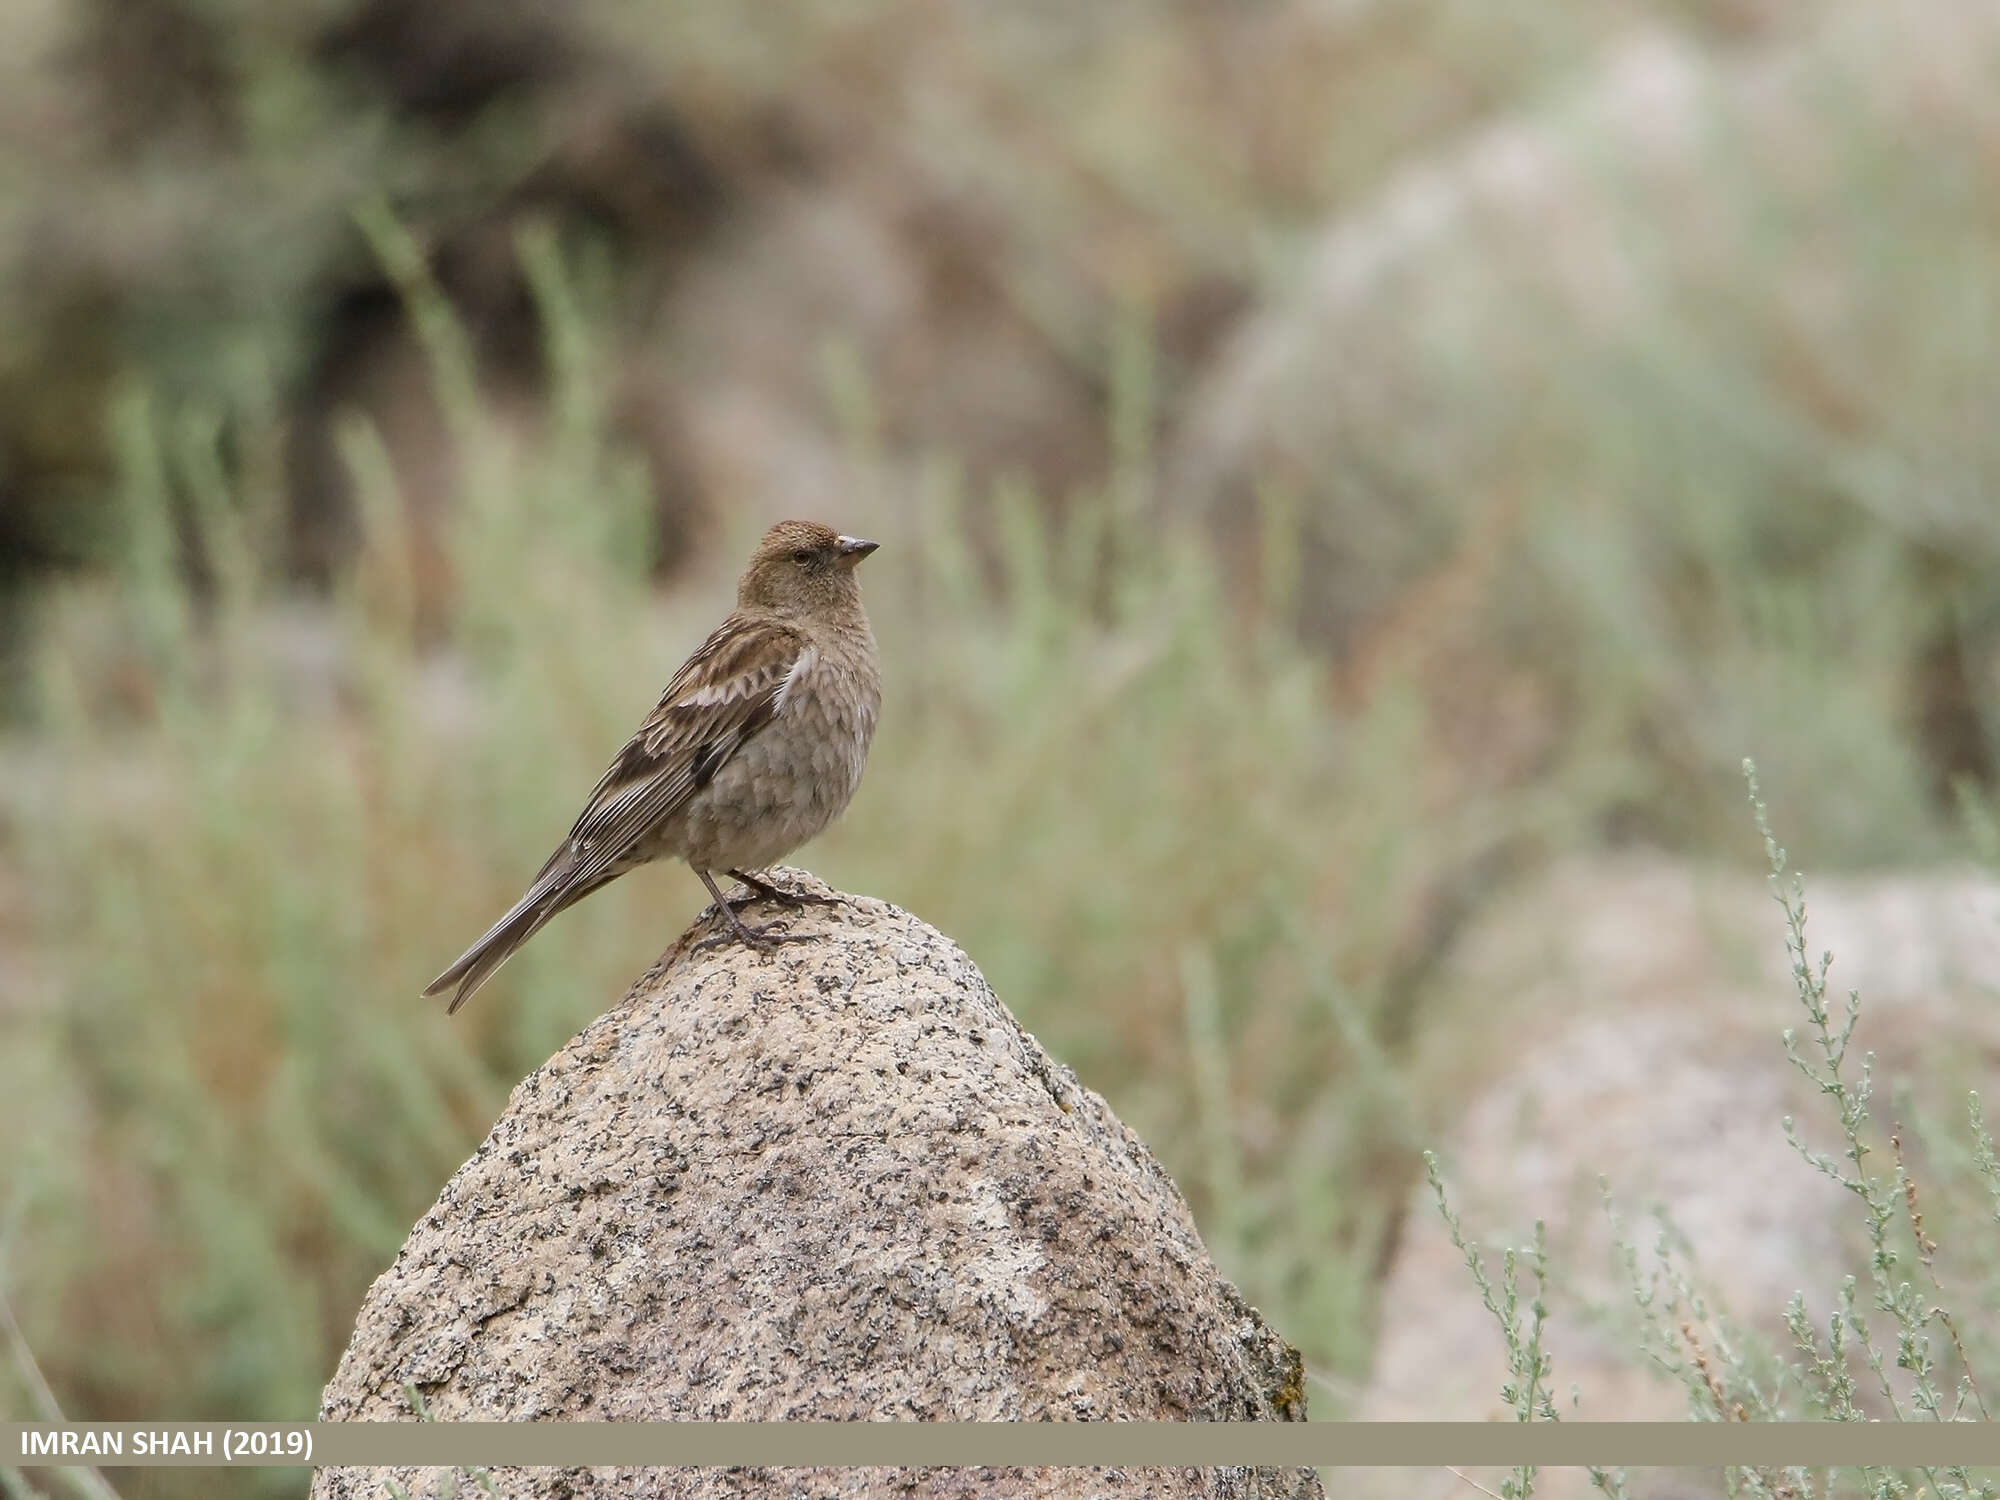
834,713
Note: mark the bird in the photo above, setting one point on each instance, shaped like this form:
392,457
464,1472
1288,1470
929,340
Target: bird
756,745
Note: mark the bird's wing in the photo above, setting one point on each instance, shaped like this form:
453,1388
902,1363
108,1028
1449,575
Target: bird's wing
734,685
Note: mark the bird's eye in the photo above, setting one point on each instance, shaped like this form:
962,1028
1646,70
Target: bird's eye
803,555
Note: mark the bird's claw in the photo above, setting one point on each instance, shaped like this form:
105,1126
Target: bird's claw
763,939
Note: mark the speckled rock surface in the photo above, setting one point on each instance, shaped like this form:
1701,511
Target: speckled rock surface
833,1181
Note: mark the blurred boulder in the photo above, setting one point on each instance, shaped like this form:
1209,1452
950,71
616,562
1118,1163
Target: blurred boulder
1424,329
1502,251
1622,1018
837,1181
1578,376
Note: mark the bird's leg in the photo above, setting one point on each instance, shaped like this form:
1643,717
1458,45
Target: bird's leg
752,897
768,892
755,937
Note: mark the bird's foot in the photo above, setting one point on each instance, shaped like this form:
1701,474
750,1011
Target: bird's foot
763,890
763,939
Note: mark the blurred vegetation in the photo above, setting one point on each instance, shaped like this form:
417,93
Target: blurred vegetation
366,373
1893,1341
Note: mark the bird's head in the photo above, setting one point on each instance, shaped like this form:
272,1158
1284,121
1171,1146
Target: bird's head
802,568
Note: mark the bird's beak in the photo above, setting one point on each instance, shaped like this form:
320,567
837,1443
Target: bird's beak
853,549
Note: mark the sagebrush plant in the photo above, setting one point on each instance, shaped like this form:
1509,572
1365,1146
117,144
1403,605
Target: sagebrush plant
1843,1365
1529,1389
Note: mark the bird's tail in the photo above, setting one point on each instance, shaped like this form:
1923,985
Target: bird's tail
551,893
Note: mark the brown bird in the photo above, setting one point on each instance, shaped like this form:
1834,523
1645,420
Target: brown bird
756,745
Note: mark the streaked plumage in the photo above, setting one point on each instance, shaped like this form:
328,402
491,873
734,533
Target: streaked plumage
755,746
